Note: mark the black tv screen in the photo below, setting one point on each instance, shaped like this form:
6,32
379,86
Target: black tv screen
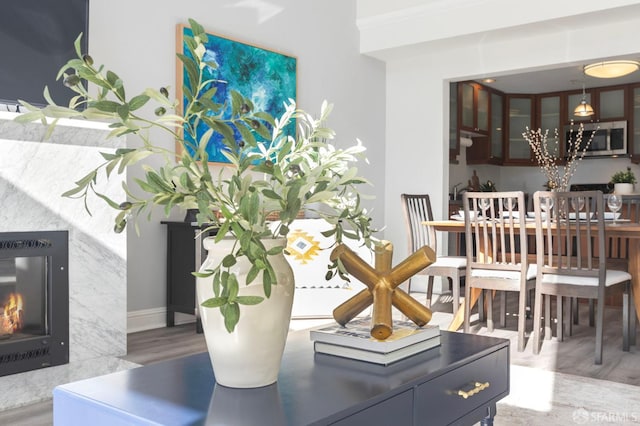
36,40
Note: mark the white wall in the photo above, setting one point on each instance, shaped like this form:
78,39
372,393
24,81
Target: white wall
136,39
423,53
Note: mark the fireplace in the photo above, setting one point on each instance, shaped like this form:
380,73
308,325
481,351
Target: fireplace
34,300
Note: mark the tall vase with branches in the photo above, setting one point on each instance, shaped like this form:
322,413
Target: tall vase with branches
558,171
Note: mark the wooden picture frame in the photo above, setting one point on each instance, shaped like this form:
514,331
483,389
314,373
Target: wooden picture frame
266,77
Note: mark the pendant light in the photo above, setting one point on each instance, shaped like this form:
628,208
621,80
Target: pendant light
583,109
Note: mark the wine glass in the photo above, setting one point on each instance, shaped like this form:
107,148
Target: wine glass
510,203
546,204
510,207
577,204
484,205
614,202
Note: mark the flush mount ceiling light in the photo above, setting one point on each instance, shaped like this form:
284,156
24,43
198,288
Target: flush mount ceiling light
583,109
611,69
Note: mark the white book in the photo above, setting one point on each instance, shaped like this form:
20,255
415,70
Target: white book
376,357
357,334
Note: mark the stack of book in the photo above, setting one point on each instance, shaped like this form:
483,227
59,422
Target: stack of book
354,341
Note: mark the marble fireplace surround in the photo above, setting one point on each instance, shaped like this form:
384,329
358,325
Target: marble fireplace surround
33,175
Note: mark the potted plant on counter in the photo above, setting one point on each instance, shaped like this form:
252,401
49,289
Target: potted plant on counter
246,285
624,181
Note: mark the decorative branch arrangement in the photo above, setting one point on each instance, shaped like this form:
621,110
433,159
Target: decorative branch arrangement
548,157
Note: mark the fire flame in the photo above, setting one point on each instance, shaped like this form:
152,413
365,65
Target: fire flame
12,320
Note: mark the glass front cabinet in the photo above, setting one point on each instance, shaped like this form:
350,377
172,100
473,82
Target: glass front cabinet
549,120
633,126
473,100
520,116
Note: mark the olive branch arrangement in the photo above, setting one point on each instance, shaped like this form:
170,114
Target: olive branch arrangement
558,175
290,175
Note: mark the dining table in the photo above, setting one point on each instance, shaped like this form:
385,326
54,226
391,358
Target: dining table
619,229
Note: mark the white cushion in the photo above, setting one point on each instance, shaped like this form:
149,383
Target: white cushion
512,275
612,277
450,262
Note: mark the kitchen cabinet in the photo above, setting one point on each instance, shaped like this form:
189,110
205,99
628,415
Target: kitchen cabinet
573,99
610,103
633,126
521,112
549,119
473,108
506,116
496,136
454,136
489,149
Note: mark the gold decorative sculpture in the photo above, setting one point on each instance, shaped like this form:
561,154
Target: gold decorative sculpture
382,282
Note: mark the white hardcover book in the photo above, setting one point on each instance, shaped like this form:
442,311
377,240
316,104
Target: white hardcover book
376,357
357,334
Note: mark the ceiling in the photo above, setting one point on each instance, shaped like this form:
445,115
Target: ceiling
555,80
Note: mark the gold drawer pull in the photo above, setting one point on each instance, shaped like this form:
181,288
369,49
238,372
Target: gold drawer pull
478,387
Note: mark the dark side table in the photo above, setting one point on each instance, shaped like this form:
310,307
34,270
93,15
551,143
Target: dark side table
184,255
458,383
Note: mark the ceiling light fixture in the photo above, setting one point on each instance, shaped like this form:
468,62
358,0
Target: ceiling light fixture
583,109
489,80
611,69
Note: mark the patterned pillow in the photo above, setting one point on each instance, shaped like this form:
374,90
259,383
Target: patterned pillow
309,253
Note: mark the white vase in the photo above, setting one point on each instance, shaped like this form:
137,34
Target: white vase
250,356
623,188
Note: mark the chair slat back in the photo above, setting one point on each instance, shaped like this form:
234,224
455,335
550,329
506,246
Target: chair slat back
616,247
568,241
495,229
417,209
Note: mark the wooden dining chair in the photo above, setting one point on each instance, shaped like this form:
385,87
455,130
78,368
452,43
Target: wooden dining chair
616,253
495,231
571,262
417,210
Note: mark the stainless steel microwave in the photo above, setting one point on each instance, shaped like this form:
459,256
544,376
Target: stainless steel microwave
609,138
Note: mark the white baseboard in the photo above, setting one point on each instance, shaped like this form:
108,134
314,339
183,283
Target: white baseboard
148,319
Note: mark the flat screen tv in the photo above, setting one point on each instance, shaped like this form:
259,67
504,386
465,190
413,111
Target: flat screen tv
36,40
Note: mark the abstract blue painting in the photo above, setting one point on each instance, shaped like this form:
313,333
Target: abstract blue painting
266,77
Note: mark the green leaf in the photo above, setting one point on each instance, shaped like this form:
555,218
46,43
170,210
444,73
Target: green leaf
214,302
73,191
123,112
228,261
247,135
231,314
269,193
252,274
108,200
200,274
275,250
249,300
106,106
265,116
236,102
77,45
87,179
266,283
138,102
232,287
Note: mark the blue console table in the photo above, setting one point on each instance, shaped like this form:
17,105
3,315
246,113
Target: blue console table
456,383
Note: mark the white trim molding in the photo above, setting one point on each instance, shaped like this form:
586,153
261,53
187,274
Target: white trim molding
149,319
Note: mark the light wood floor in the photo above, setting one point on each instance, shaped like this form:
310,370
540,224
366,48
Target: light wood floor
572,356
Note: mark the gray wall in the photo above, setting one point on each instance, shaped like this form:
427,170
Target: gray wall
137,40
